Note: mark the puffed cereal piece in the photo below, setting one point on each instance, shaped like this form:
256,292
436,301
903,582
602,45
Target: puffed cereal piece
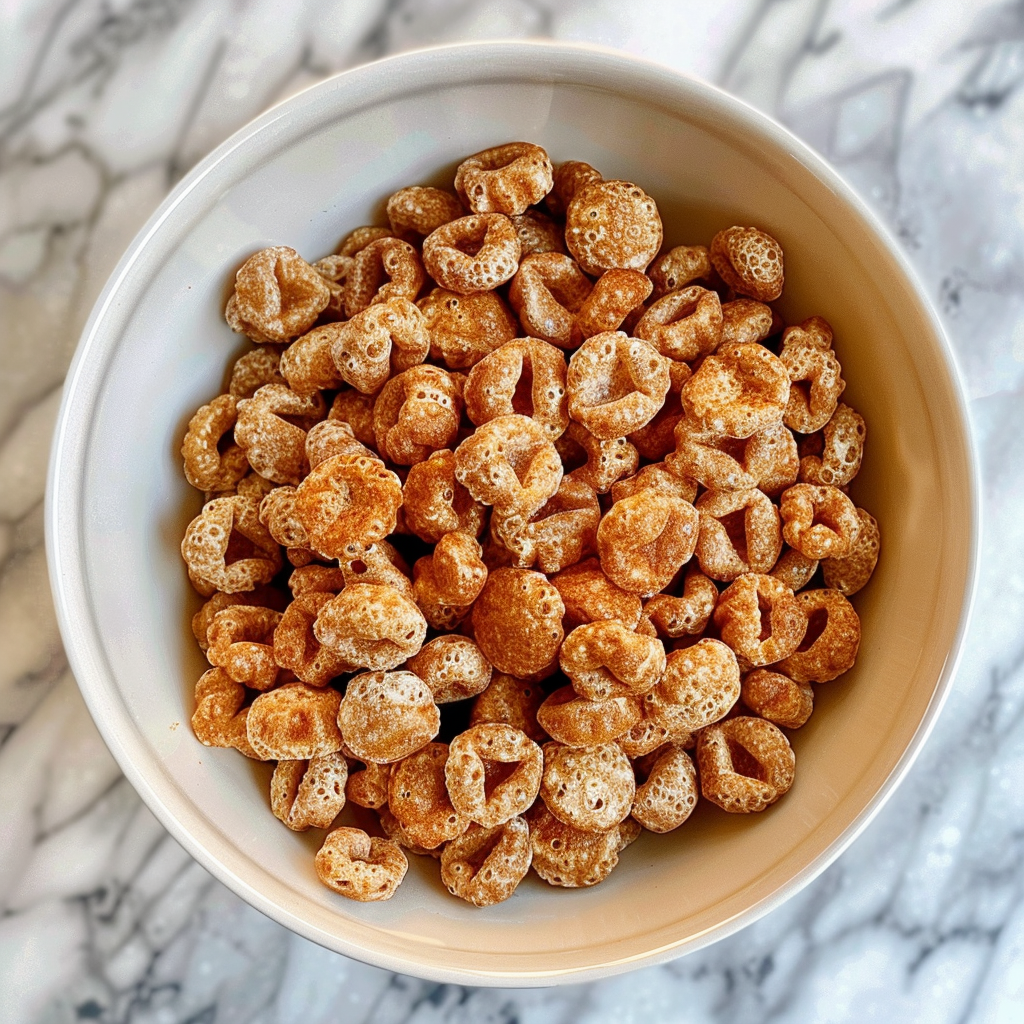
669,793
750,261
254,369
417,412
309,794
375,562
611,224
359,866
279,514
395,831
261,597
616,294
604,659
333,437
418,798
569,857
227,548
472,254
464,328
359,238
252,485
306,364
657,439
738,391
484,865
686,614
241,641
440,614
648,735
421,209
590,596
481,783
295,722
616,384
746,320
852,572
334,269
296,646
645,539
504,179
659,477
369,786
510,701
386,716
817,369
745,764
435,503
386,268
777,698
459,572
819,521
794,569
739,532
219,719
843,450
277,296
538,233
607,461
772,459
760,619
547,290
829,648
700,686
271,429
355,409
453,667
709,457
579,722
207,467
567,179
316,579
590,789
683,325
679,267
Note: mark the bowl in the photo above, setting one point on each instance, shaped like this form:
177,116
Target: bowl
305,173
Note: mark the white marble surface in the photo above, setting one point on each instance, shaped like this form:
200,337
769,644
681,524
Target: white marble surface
104,105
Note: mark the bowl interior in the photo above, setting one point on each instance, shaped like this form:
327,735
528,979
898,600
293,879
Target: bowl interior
306,174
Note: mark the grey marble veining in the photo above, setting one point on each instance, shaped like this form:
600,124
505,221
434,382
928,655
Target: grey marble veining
103,106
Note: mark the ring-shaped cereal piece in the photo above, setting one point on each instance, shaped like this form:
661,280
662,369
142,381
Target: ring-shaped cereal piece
504,179
794,569
852,572
421,209
484,865
360,867
686,614
760,619
829,647
464,328
306,364
700,686
441,614
578,722
819,376
819,521
668,794
777,698
746,320
418,798
387,268
416,413
316,579
271,429
296,646
219,719
616,294
589,596
745,764
241,641
739,532
309,794
547,290
843,450
679,267
605,659
294,722
435,503
254,369
683,325
376,562
511,701
749,261
278,513
591,789
261,597
473,254
568,178
453,667
612,224
569,857
207,467
538,233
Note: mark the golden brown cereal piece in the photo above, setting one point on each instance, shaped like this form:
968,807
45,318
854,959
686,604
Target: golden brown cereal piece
578,722
278,513
207,467
440,614
615,295
386,716
309,794
484,865
616,384
771,458
271,429
254,369
538,233
750,261
590,789
711,458
252,485
683,325
219,718
817,384
297,648
358,239
493,772
261,597
589,596
464,328
829,647
418,798
668,795
513,702
678,268
371,626
306,364
546,292
435,503
840,460
395,831
348,498
369,787
277,296
453,667
687,614
745,764
295,722
517,620
375,562
333,437
606,461
778,698
605,659
794,569
417,412
505,179
568,856
659,477
850,574
760,619
228,548
819,521
612,224
648,735
567,179
657,439
241,641
334,270
472,254
355,409
359,866
387,268
316,579
458,570
745,320
420,209
645,539
700,685
738,391
739,532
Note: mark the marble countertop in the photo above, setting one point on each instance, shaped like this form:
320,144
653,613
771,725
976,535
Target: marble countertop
104,105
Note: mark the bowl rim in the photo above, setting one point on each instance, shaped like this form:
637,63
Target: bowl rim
378,82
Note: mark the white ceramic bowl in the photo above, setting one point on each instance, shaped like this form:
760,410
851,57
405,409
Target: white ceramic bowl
306,172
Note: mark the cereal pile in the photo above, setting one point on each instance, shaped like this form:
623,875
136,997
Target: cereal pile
621,483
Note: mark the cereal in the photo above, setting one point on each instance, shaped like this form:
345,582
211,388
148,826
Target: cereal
745,764
386,268
456,571
484,865
278,513
453,667
254,369
700,685
355,409
513,702
567,179
241,641
658,476
684,324
568,856
590,789
829,647
332,437
369,786
739,532
295,722
472,254
207,467
538,233
306,364
607,461
746,320
435,503
679,267
711,458
817,370
418,798
219,719
590,596
296,646
506,179
819,521
360,867
416,413
669,793
611,224
842,452
271,430
375,562
771,459
777,698
794,569
852,572
309,794
760,619
464,328
316,579
578,722
648,735
615,295
605,659
546,292
686,614
262,597
421,210
750,261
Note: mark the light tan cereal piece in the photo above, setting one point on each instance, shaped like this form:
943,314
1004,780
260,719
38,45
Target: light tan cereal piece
348,498
567,179
385,338
829,648
453,667
607,461
241,641
386,716
355,409
510,463
669,793
659,477
840,460
745,321
484,865
851,573
760,619
472,254
771,458
745,764
591,789
616,294
713,459
309,794
333,437
546,292
688,613
359,866
228,548
435,503
749,261
418,798
578,722
505,179
252,485
616,384
464,328
605,659
538,233
612,224
700,686
739,532
297,648
794,569
295,722
819,521
306,364
679,267
219,718
207,467
777,698
817,384
386,268
277,296
371,626
422,209
517,620
261,597
278,513
568,856
648,735
316,579
334,270
417,412
645,539
511,701
369,786
254,369
683,325
590,596
271,429
358,239
738,391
